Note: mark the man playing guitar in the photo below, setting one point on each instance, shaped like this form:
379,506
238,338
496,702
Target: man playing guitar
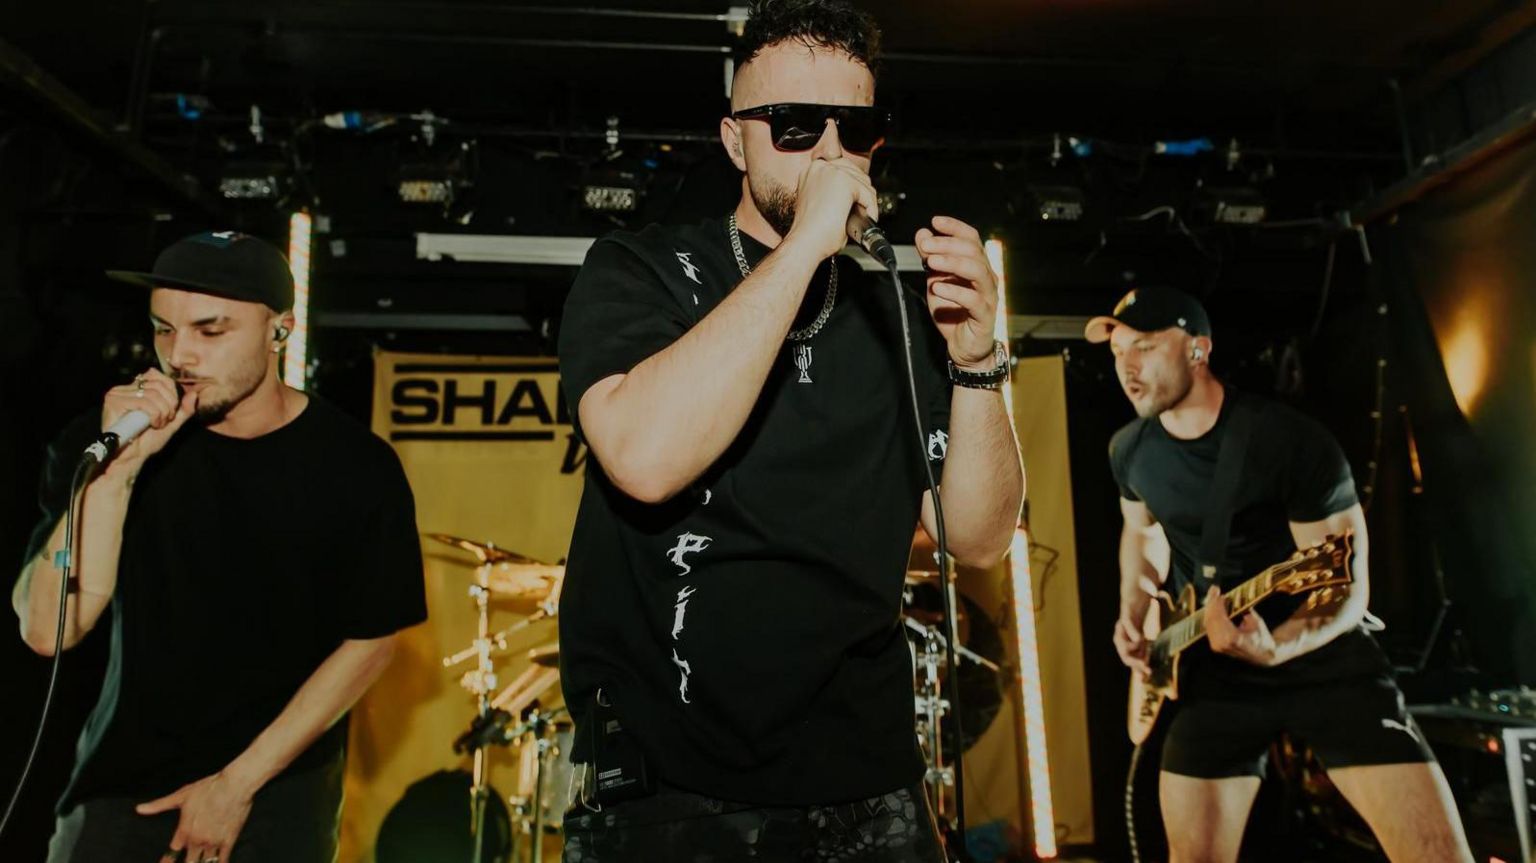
1306,668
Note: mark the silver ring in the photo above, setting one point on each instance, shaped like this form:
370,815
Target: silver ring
138,384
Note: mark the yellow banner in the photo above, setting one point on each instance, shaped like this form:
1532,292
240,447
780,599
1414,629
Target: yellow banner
488,446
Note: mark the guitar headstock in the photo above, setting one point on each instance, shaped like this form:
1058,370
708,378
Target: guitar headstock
1318,570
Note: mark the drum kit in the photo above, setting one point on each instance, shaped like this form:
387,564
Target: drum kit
514,715
978,676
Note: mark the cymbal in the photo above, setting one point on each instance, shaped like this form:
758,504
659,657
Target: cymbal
487,552
522,581
547,655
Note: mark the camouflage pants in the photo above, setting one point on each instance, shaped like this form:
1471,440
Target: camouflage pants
676,826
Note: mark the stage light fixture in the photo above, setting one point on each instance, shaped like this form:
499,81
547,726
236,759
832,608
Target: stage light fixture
610,199
437,176
1031,693
1057,203
1239,205
255,181
612,191
421,184
296,348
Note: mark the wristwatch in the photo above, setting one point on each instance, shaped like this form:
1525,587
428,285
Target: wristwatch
988,380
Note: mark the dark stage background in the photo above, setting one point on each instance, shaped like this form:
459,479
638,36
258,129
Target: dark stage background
1387,289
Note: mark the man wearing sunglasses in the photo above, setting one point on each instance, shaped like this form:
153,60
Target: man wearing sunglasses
731,647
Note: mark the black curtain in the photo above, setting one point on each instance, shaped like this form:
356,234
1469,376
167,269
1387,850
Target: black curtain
1458,272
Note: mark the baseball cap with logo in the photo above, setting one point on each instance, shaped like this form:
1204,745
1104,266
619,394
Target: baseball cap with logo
1151,310
224,264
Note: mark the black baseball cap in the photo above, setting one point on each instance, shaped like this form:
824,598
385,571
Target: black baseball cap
222,263
1151,310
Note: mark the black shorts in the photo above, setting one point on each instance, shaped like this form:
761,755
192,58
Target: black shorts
1347,723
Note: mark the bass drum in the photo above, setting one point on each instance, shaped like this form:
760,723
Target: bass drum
431,823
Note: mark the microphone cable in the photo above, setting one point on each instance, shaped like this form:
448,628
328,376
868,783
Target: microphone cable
75,487
951,627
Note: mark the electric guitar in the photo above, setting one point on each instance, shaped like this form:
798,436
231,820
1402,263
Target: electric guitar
1316,572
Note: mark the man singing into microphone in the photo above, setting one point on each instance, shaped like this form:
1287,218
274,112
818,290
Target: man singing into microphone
729,624
256,550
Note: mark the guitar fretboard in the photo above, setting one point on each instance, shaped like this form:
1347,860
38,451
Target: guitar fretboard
1243,597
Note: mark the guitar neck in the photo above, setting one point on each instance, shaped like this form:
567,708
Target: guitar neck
1239,600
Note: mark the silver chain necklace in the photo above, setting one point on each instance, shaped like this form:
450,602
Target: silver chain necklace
815,326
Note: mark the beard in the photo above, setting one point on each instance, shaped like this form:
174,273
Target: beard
1166,395
776,203
215,402
213,412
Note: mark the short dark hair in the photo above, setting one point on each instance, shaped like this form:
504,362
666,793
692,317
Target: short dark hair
834,24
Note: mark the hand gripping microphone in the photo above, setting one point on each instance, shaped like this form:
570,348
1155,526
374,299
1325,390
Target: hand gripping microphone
118,435
863,231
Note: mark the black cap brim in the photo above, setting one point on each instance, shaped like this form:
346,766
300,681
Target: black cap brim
151,281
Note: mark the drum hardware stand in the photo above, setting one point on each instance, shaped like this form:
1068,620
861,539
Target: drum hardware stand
490,720
481,682
537,725
932,706
497,641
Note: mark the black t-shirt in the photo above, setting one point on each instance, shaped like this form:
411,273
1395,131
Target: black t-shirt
1293,471
747,630
245,563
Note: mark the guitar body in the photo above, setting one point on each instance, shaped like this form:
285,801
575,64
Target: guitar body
1318,573
1148,694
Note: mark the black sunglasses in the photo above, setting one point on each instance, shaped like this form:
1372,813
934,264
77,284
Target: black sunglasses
797,126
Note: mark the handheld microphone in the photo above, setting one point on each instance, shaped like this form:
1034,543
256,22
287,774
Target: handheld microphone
118,435
863,231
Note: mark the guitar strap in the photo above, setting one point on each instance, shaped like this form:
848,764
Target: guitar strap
1219,507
